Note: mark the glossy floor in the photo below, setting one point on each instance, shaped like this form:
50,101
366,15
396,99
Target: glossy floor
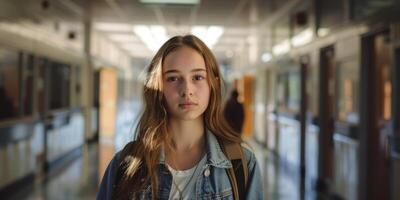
79,179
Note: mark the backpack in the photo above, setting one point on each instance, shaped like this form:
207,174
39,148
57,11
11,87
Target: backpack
238,174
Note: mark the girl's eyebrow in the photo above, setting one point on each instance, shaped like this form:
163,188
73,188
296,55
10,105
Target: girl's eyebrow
198,70
171,71
177,71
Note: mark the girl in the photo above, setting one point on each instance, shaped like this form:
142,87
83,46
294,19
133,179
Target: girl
180,150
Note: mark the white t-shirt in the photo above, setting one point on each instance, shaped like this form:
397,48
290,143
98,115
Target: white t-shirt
182,178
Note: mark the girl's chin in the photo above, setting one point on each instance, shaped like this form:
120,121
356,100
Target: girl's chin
187,117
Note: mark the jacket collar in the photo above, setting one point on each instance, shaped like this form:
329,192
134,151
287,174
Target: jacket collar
215,155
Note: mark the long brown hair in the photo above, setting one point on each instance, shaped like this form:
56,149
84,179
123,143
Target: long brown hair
141,164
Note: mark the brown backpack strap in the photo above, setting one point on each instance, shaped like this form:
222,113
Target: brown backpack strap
234,183
238,174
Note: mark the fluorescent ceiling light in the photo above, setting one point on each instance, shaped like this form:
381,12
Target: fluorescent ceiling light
209,35
266,57
184,2
302,38
152,36
323,32
113,27
281,48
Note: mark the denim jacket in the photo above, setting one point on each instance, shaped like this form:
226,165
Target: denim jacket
213,183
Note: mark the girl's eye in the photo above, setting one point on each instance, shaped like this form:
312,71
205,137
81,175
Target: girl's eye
172,78
198,77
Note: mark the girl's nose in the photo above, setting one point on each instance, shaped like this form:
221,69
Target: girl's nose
186,89
186,93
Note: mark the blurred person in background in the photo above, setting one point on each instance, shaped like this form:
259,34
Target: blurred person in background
183,147
234,112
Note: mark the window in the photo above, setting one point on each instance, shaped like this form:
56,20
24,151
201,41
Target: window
382,63
27,84
40,65
281,92
59,85
9,84
76,84
294,91
347,98
288,91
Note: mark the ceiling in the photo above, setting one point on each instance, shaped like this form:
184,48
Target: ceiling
243,20
236,16
208,12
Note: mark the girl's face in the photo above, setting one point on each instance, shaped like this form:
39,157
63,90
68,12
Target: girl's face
185,86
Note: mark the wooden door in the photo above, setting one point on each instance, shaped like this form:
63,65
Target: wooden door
326,117
376,115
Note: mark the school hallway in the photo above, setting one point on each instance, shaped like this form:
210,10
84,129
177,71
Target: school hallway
318,81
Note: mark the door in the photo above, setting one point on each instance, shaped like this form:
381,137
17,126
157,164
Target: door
326,118
395,137
376,115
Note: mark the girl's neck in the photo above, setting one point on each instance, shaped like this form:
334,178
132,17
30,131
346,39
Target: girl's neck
188,144
187,134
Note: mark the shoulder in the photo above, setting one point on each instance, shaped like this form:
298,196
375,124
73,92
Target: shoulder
249,154
107,183
115,161
112,169
122,154
113,166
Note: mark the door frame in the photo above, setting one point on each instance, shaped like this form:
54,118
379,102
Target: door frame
368,116
394,139
304,67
